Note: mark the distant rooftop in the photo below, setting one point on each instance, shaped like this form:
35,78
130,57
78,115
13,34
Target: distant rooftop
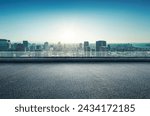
3,40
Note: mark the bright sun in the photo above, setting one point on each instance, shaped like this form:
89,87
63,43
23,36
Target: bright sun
69,33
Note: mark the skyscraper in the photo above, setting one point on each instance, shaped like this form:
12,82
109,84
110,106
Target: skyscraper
100,45
100,48
86,45
46,46
26,45
5,44
87,48
20,47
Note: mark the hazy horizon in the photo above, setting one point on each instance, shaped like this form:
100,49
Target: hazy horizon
75,21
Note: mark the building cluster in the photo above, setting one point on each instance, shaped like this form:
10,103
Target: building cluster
6,45
86,47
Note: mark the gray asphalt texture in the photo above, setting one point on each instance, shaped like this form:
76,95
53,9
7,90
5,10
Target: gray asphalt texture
75,80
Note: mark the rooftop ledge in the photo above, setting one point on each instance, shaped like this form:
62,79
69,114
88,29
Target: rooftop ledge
72,59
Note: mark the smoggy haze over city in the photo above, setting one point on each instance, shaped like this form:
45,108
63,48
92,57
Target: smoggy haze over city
74,21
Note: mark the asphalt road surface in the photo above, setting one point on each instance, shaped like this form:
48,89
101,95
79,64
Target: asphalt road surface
74,80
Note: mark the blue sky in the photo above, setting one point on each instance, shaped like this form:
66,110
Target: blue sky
74,21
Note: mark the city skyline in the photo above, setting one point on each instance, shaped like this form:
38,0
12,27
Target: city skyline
56,42
6,44
75,21
85,49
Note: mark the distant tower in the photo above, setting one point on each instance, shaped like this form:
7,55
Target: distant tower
86,48
20,47
5,44
33,47
100,48
59,46
100,45
80,46
86,45
46,46
26,45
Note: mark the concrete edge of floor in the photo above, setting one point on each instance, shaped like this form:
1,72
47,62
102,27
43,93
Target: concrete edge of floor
72,59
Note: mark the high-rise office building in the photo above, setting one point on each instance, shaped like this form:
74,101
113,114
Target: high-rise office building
80,46
33,47
86,46
26,45
101,48
20,47
100,45
39,48
46,46
5,45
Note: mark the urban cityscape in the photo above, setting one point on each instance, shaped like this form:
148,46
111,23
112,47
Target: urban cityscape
86,49
75,49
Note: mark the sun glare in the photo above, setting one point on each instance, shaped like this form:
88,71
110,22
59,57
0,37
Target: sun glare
69,33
